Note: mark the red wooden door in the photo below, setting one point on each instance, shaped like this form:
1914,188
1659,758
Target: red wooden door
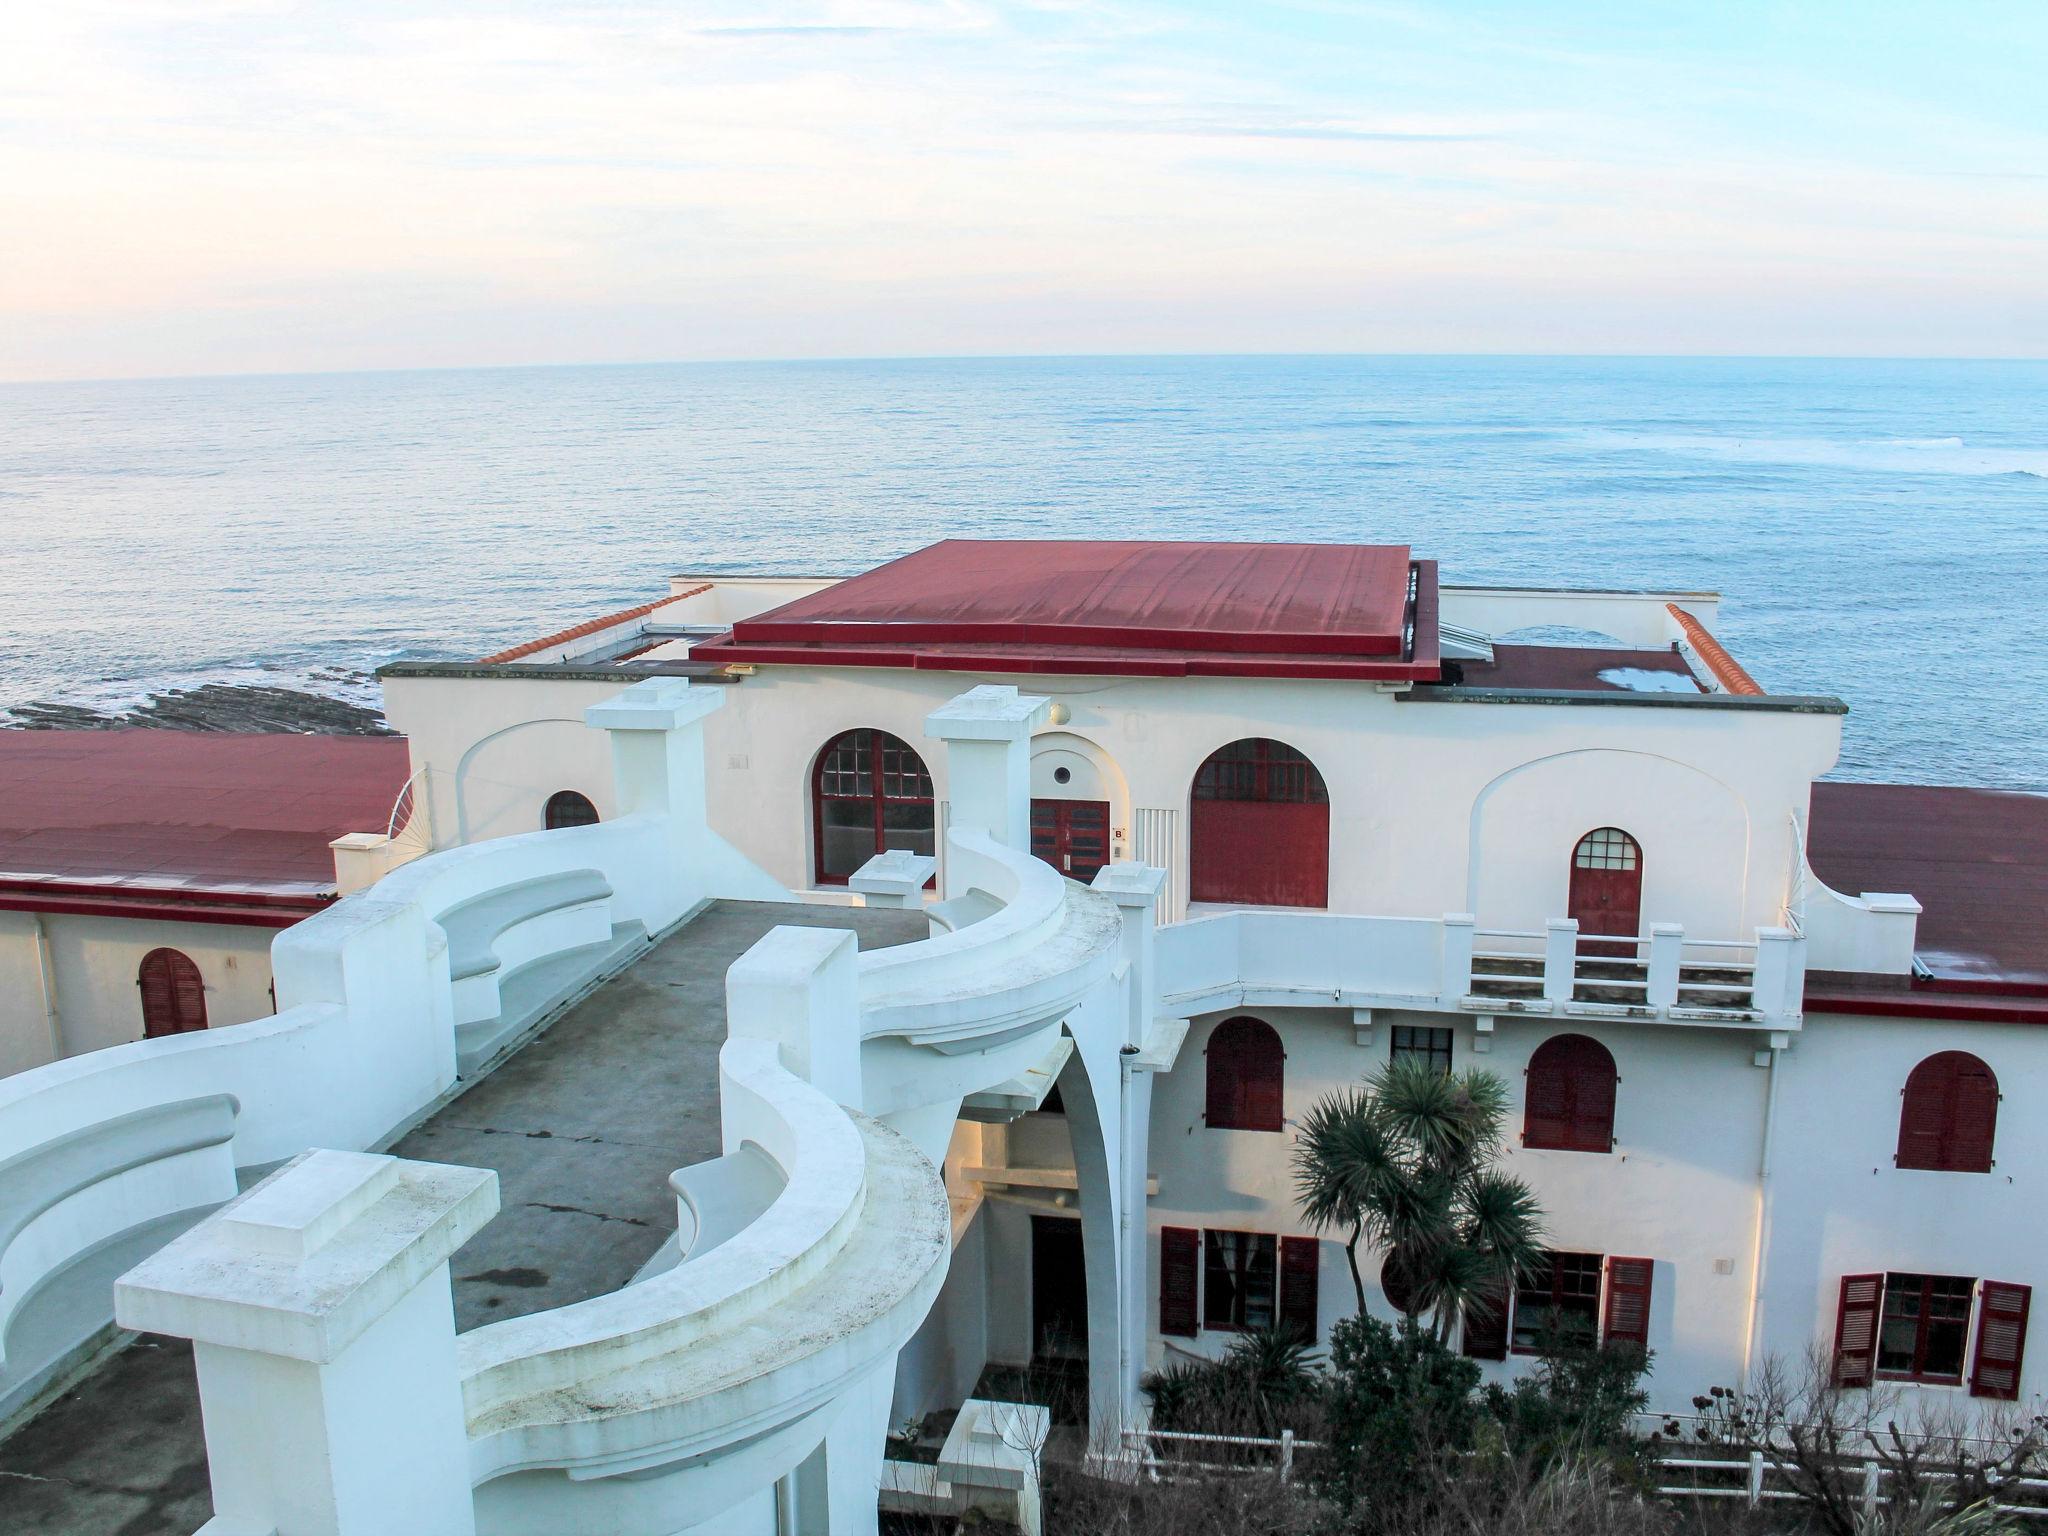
1259,828
1607,888
1071,835
1271,855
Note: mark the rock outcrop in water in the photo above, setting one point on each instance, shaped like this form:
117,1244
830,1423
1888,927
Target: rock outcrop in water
212,707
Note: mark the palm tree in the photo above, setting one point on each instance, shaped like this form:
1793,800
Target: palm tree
1404,1164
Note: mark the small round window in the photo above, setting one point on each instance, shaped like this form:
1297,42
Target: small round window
1062,775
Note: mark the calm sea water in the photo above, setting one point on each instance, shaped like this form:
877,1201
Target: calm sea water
1880,529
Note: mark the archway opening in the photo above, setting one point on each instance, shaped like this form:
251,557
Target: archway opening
1259,828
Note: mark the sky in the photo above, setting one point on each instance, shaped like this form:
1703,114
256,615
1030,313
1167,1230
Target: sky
226,186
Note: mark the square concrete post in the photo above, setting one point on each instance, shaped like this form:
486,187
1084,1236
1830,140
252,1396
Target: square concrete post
1459,933
1135,889
800,988
894,879
1560,958
323,1330
657,737
987,732
1667,949
1778,986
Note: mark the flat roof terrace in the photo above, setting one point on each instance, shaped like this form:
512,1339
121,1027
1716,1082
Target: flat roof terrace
584,1124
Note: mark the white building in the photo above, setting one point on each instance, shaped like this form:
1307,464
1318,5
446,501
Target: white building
143,873
1316,809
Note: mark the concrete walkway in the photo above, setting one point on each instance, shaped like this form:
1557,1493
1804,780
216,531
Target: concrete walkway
584,1125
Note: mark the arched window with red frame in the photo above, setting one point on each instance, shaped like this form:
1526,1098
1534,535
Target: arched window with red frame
1246,1071
870,793
1259,827
173,996
1948,1115
1568,1102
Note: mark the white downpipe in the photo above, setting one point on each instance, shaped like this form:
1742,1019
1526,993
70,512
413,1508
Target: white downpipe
46,978
1758,1269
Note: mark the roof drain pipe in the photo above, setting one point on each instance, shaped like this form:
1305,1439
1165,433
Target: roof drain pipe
46,976
1758,1268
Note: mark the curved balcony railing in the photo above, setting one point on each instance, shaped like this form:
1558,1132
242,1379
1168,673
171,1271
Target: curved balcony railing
816,1292
1045,944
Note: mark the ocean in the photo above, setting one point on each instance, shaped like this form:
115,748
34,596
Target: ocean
1879,529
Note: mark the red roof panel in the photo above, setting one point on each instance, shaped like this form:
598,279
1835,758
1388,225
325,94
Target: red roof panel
198,813
1333,610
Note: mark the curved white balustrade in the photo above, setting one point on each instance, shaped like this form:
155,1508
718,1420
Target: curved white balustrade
1022,967
744,1343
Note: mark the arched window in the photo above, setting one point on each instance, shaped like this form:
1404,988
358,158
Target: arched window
1246,1070
173,996
566,808
1259,828
870,793
1568,1105
1607,888
1949,1114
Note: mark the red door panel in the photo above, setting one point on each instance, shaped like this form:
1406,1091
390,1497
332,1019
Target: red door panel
1607,889
1071,835
1260,853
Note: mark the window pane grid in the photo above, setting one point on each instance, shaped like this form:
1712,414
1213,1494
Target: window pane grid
1417,1042
1924,1326
1239,1280
1606,848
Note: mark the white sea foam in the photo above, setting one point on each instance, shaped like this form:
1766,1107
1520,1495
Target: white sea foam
1882,455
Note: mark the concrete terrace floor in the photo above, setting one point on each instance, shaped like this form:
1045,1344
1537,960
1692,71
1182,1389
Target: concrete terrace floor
584,1124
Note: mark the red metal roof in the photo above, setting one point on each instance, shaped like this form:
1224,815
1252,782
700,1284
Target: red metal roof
221,827
1977,861
1114,607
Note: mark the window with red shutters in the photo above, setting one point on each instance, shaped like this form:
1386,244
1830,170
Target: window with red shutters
1246,1073
1301,1262
1486,1324
1627,1318
1948,1115
173,995
1568,1099
2001,1340
1180,1268
1856,1330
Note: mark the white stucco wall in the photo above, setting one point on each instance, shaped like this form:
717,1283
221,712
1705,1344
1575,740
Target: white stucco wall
94,963
1433,807
1681,1187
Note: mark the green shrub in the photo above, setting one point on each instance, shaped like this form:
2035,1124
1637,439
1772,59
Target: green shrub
1397,1406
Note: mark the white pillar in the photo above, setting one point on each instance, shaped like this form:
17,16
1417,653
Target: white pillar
800,988
1560,958
836,1490
657,737
1778,989
1667,948
324,1335
894,879
1459,932
987,732
1135,889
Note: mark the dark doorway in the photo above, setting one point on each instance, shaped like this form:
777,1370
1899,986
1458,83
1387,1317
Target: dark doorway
1059,1290
1071,835
1607,889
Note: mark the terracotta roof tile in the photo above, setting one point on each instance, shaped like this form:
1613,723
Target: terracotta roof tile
1726,669
590,627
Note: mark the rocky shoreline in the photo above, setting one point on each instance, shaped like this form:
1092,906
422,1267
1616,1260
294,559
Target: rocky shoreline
211,707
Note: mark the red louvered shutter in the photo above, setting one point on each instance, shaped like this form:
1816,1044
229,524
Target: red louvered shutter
173,994
1856,1330
1179,1272
1246,1072
1948,1115
1568,1101
1628,1301
1486,1325
1301,1263
2001,1340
